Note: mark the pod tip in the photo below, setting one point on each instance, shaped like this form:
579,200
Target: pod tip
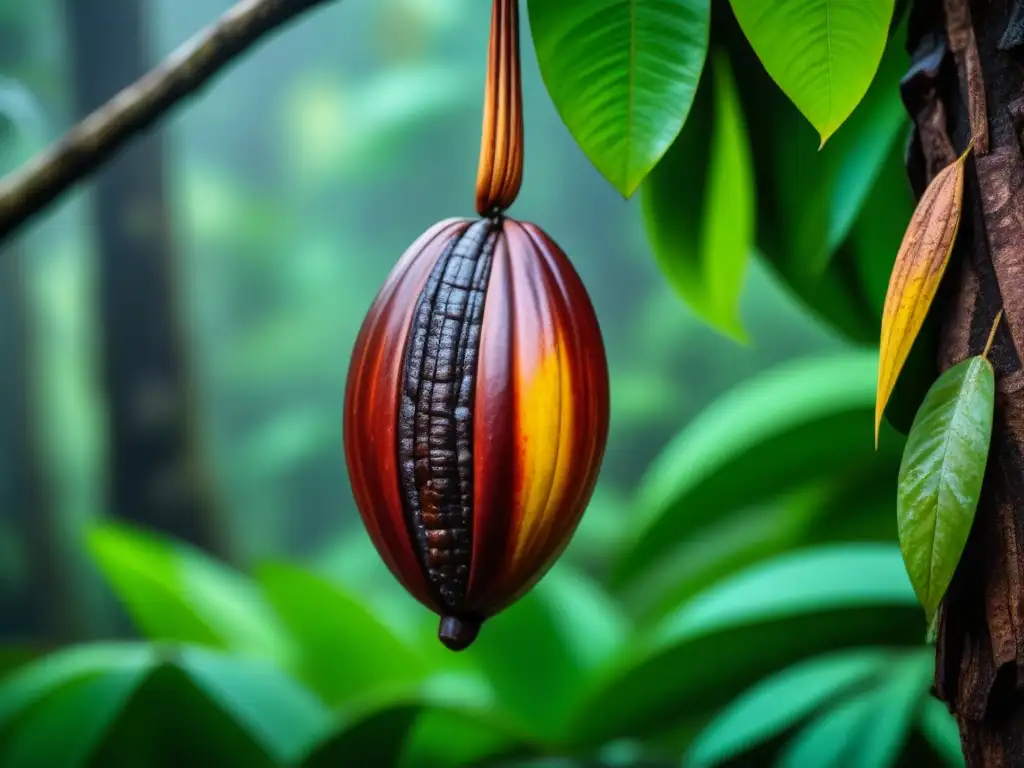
456,633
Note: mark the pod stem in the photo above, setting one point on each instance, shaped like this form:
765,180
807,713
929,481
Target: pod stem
500,173
992,335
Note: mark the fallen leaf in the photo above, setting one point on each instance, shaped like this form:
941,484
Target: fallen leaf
916,274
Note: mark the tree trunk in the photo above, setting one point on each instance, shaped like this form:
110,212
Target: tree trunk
156,476
968,61
42,607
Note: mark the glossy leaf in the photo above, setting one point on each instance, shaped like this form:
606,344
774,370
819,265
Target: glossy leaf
804,196
822,53
942,732
454,736
916,274
622,76
787,608
571,627
278,713
827,740
66,727
40,679
782,701
55,710
896,702
175,592
342,648
699,206
941,476
377,739
771,434
852,183
227,711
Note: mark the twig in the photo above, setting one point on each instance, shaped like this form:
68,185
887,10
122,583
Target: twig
87,145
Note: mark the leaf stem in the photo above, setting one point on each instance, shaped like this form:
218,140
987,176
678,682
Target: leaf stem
992,334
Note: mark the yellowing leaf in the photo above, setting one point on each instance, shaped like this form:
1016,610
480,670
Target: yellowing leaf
916,274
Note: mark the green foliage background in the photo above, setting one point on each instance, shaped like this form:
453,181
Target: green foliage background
735,594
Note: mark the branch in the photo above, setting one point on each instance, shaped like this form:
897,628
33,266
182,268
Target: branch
89,144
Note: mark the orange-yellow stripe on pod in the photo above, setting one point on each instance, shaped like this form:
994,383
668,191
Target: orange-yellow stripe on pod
545,417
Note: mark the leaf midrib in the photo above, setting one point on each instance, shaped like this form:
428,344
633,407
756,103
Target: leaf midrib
958,414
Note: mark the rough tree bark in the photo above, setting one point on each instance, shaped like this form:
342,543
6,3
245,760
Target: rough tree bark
156,472
967,81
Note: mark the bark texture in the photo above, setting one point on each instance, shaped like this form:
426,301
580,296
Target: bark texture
966,83
156,476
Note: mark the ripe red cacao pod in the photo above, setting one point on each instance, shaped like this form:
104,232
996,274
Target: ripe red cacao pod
476,415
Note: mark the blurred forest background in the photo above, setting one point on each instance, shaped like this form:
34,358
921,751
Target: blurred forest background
176,335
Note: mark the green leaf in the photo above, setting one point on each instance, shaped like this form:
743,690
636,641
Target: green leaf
377,739
870,730
34,682
65,728
825,742
941,730
782,701
174,592
851,189
802,193
450,737
622,76
787,608
800,421
896,703
941,475
699,206
55,710
278,713
227,711
343,649
570,626
822,53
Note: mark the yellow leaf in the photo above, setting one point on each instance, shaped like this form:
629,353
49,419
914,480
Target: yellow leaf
916,274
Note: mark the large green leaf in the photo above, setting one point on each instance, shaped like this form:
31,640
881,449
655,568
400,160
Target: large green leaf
782,701
226,711
822,53
174,592
570,627
942,732
806,197
54,711
415,731
896,704
343,649
35,681
699,206
870,730
65,728
941,475
825,743
277,713
795,423
451,737
107,705
789,608
375,739
622,75
850,179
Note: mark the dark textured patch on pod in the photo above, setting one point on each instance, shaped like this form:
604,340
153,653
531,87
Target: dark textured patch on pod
476,416
435,420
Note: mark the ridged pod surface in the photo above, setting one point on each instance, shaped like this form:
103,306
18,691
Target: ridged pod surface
476,415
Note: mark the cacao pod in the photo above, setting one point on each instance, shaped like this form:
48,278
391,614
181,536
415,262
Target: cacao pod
476,416
476,409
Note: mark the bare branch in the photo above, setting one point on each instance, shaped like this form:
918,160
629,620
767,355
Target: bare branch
87,145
